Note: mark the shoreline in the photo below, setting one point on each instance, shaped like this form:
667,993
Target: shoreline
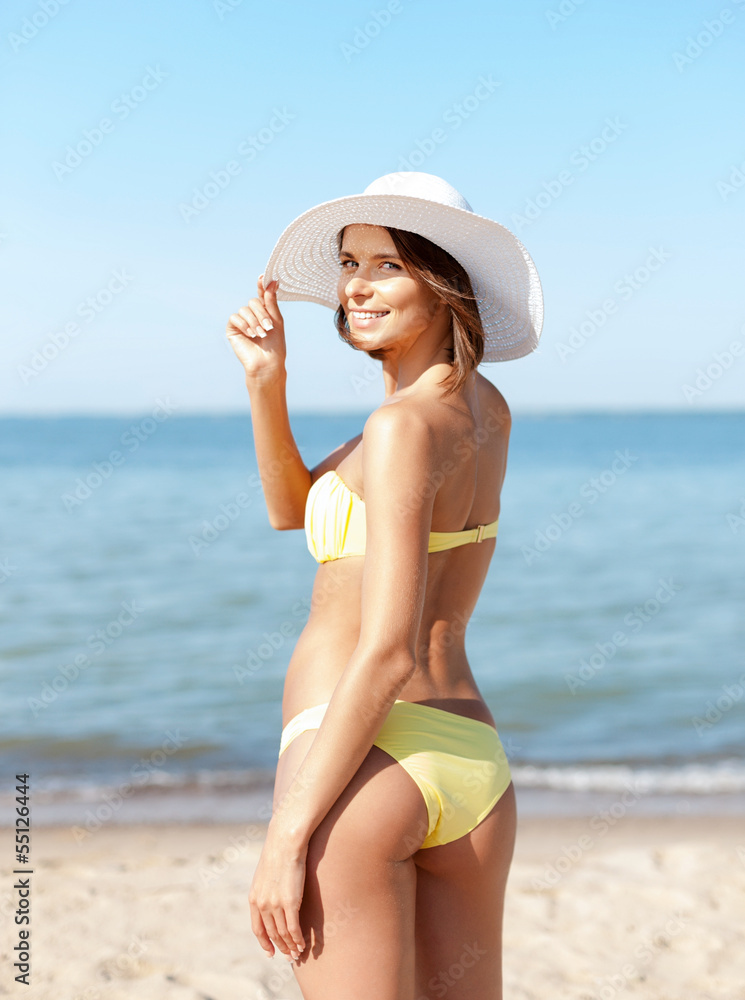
651,906
93,807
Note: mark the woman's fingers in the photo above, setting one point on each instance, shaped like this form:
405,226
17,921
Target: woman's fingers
252,315
294,931
270,927
265,309
244,323
260,931
269,293
261,315
276,895
283,938
255,319
277,925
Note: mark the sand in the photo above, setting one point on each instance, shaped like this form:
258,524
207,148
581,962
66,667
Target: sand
639,907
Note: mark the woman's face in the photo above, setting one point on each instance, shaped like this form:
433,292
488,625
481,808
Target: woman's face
385,306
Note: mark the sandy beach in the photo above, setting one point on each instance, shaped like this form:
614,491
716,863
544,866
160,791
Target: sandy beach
648,907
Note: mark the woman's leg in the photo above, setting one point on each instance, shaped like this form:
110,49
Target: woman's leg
459,908
359,906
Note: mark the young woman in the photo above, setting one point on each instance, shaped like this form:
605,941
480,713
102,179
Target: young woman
384,867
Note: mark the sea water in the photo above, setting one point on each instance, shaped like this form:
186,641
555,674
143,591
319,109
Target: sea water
149,611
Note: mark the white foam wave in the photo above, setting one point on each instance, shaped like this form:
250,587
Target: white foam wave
690,779
703,779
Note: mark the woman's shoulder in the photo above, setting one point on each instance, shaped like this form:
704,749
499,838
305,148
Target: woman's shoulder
436,416
493,406
402,417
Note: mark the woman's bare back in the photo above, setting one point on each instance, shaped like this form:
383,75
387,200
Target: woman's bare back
473,434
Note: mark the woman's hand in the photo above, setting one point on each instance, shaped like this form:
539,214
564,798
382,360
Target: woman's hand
276,894
257,334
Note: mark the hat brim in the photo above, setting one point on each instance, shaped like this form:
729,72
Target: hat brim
505,281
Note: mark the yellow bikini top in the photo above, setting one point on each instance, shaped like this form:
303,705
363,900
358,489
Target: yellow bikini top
335,523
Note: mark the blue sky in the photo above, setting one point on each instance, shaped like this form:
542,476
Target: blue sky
621,124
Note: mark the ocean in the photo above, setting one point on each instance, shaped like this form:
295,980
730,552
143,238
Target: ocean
149,611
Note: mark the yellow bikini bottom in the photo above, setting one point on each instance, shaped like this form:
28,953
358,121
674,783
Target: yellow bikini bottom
458,763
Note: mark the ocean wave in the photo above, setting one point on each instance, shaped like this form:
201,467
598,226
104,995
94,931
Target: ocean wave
689,779
720,777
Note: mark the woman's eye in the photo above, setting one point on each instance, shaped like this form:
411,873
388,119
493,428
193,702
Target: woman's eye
343,264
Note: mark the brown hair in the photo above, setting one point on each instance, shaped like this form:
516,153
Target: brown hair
434,268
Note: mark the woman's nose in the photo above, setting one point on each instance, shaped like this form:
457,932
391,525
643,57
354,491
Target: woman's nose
357,285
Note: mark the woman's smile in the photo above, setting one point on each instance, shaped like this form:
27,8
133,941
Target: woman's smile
386,310
363,319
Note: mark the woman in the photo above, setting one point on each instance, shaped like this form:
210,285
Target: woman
384,867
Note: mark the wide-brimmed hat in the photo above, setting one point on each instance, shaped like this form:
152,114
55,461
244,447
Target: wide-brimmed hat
503,275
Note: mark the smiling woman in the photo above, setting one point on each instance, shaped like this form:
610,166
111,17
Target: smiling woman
433,269
393,798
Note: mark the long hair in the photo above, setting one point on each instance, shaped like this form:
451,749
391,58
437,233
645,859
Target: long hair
434,268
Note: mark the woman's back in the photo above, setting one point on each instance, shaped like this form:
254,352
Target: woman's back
471,429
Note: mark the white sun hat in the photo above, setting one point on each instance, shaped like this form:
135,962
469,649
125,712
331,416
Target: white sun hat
305,258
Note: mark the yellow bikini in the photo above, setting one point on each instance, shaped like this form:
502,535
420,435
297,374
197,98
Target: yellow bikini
459,764
335,523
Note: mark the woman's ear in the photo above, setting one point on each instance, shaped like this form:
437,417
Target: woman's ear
437,306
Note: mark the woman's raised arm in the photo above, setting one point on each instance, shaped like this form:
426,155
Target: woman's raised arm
256,334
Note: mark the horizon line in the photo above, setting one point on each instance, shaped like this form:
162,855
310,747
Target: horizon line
516,412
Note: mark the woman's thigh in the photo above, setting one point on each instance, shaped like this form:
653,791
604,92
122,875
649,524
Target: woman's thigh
359,904
459,909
